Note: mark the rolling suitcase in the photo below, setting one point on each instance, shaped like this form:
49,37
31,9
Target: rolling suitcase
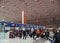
13,36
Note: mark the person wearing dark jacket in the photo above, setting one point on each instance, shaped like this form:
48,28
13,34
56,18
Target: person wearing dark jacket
24,33
34,34
47,34
57,37
20,33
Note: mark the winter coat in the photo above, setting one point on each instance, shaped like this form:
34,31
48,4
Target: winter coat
57,38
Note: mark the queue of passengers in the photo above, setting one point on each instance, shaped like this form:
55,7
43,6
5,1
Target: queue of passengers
36,33
33,33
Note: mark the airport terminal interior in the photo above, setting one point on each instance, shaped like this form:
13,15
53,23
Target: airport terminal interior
29,21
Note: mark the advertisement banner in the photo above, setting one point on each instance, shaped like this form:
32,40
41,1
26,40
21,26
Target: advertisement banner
7,24
18,25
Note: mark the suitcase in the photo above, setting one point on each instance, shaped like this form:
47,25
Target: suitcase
13,36
34,38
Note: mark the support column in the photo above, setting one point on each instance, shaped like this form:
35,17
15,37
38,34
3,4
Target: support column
23,17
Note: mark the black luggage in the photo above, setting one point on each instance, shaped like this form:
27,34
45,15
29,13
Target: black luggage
34,38
13,36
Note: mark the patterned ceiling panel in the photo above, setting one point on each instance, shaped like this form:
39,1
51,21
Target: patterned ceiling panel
11,10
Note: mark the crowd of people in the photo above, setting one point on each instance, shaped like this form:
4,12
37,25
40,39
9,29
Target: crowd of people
36,33
33,33
56,37
25,33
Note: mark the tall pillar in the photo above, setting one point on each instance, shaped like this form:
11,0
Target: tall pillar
23,17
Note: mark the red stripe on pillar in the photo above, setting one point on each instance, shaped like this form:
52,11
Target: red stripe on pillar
25,18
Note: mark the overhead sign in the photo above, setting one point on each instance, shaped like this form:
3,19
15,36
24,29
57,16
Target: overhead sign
9,24
23,25
18,25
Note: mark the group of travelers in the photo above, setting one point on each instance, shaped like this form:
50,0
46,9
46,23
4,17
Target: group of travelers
45,34
56,37
35,33
24,33
53,36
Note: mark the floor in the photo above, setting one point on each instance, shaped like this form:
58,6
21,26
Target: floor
17,40
42,41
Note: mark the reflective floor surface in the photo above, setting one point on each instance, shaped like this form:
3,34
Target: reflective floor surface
18,40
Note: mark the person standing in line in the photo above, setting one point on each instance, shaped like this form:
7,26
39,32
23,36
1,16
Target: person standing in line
10,34
34,34
27,30
32,30
24,33
42,33
20,33
47,34
38,32
57,37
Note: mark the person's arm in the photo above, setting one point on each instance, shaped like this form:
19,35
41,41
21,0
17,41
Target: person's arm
54,36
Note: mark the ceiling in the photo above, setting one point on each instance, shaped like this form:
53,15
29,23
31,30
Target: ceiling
11,10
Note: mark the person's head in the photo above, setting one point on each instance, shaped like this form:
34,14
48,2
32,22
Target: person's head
57,31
